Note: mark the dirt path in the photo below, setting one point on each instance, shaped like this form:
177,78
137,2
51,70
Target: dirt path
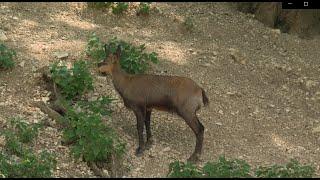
264,102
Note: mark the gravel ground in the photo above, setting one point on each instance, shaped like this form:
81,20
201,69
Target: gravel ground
263,85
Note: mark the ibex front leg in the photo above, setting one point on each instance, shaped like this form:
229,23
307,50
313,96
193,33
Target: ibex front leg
140,116
148,129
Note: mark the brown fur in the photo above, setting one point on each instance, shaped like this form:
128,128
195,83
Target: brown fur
142,93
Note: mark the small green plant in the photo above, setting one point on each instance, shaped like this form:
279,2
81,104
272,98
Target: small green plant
25,132
16,160
292,169
99,5
6,57
27,166
95,48
12,144
144,9
133,60
183,170
99,106
119,8
94,141
226,168
236,168
19,132
188,23
72,82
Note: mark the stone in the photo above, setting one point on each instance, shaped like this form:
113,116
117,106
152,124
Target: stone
276,31
166,149
3,36
271,105
215,53
206,65
61,55
45,99
93,98
219,124
316,129
22,64
237,56
310,84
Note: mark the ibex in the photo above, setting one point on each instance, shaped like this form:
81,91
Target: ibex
142,93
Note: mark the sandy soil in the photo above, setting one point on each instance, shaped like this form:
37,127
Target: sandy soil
263,85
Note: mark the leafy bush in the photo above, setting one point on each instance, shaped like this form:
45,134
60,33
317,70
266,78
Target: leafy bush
188,23
28,166
144,9
19,132
183,170
99,106
24,131
238,169
6,56
16,160
99,5
119,8
292,169
133,59
95,48
223,169
94,141
72,82
12,144
226,168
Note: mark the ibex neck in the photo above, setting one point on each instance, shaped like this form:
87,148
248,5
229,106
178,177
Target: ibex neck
119,78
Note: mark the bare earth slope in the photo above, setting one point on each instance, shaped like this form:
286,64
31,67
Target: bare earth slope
263,85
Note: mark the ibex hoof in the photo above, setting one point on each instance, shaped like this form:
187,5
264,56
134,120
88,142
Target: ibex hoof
193,158
149,144
139,152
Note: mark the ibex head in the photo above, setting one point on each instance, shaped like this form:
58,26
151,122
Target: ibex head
106,66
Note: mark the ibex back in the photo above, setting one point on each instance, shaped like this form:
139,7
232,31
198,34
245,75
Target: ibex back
142,93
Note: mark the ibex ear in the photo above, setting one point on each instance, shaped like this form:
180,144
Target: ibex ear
118,52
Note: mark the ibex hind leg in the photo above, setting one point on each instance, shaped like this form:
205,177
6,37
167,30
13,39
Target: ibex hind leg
193,122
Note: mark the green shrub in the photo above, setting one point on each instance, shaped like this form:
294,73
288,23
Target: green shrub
188,23
183,170
94,141
6,57
226,168
16,160
95,48
72,82
99,5
19,132
239,169
27,166
12,144
292,169
119,8
99,106
133,60
24,131
144,9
